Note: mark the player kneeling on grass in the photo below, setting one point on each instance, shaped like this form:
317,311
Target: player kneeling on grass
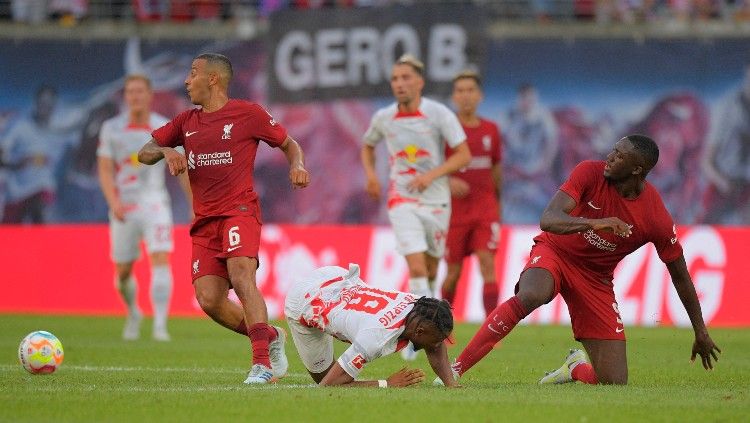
333,302
603,212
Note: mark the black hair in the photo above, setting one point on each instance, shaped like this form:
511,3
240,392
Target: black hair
647,148
438,312
216,59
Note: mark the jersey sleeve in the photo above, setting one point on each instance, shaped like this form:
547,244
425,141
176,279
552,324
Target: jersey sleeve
266,128
354,359
105,148
579,180
373,135
664,236
171,134
450,128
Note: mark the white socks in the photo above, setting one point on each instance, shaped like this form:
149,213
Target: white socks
161,291
129,294
420,287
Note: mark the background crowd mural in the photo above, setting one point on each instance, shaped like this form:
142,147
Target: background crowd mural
551,117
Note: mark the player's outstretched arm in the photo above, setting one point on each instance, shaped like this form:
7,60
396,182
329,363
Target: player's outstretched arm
152,152
298,175
337,376
556,219
683,284
438,358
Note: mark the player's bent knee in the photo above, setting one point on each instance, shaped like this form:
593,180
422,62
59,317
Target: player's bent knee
208,301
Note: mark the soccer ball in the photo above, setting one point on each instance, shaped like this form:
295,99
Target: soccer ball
40,353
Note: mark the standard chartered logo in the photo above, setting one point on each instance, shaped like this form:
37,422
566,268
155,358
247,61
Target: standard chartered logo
209,159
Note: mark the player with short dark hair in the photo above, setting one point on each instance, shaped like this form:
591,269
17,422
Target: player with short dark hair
333,302
221,140
603,212
475,194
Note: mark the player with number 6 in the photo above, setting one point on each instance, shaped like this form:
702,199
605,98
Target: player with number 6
221,140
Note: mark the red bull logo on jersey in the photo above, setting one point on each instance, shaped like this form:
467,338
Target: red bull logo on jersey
411,153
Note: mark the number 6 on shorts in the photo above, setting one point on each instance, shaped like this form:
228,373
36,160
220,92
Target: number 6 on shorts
234,236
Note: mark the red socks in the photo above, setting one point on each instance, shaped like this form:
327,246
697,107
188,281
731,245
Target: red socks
584,372
261,334
489,296
498,324
242,328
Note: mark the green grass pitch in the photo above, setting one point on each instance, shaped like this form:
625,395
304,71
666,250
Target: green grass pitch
198,377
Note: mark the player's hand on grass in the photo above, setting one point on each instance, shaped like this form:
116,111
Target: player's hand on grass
373,188
613,224
176,161
459,188
406,377
706,348
299,176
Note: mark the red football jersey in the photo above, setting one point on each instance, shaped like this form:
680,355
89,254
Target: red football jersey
220,148
596,198
486,151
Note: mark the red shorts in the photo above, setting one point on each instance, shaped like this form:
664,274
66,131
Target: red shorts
465,239
233,236
591,299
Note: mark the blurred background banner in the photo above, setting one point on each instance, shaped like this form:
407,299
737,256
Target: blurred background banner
557,100
65,269
348,53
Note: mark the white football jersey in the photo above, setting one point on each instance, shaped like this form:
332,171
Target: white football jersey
340,304
120,141
416,144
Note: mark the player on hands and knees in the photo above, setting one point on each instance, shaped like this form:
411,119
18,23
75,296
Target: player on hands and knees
139,205
603,212
333,302
416,131
221,140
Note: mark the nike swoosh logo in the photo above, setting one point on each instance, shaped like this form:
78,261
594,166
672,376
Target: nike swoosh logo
593,206
230,249
618,330
188,133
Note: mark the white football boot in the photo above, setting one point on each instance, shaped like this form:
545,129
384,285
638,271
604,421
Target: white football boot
160,334
258,375
132,329
454,371
563,374
277,354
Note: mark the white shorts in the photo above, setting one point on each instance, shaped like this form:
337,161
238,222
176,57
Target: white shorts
420,228
151,222
314,346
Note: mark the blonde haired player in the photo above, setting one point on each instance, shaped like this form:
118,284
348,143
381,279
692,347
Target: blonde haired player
139,205
416,131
